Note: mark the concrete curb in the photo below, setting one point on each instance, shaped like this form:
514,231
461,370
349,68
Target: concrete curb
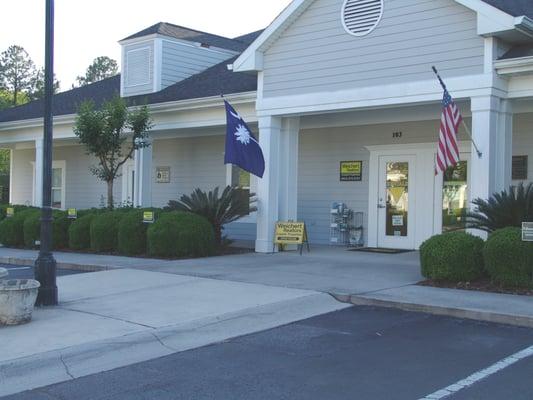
473,314
29,262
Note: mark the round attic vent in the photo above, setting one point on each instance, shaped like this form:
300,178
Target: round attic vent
360,17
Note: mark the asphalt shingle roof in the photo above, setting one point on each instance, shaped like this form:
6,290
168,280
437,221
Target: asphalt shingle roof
183,33
516,8
211,82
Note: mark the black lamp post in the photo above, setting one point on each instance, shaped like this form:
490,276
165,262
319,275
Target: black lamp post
45,265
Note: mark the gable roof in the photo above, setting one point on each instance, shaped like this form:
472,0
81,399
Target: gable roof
191,35
251,58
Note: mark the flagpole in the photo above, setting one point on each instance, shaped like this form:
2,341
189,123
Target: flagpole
469,133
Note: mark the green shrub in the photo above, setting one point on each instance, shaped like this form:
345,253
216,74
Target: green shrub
60,225
132,232
104,231
181,234
509,260
79,232
454,256
12,229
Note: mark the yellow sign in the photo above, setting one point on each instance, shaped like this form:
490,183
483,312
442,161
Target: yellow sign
351,171
72,213
10,211
290,233
148,217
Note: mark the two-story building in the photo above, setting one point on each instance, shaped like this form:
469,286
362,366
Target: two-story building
329,84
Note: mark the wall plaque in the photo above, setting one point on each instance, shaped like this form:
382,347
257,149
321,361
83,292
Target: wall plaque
162,175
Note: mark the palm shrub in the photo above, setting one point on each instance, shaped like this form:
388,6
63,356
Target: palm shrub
219,210
508,208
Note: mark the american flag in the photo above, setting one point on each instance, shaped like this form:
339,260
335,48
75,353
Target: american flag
448,151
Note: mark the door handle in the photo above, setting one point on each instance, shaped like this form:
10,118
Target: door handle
381,205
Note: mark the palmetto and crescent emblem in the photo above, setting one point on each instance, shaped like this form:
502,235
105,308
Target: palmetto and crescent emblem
243,135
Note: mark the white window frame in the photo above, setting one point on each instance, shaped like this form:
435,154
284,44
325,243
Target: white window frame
252,217
55,164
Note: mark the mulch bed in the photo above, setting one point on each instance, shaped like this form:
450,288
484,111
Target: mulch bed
480,285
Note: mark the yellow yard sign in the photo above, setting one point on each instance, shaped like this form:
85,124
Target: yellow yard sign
72,213
288,233
148,217
10,211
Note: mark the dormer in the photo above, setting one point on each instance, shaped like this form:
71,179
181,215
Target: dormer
164,54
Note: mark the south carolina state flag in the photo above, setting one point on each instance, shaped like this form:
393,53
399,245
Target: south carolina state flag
242,149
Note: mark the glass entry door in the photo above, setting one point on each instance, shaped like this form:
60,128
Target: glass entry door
396,202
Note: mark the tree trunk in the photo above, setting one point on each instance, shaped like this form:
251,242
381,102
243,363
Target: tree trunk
110,202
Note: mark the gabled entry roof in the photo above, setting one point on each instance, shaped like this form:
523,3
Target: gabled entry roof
493,16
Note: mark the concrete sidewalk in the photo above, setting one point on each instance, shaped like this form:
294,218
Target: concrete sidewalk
110,319
354,277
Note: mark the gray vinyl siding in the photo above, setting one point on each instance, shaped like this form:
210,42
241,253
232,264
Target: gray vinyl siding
138,89
22,176
82,189
194,163
180,61
316,54
320,154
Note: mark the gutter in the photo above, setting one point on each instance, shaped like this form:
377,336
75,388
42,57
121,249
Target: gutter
180,105
524,25
514,66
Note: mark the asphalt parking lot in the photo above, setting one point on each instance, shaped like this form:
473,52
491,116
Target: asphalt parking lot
358,353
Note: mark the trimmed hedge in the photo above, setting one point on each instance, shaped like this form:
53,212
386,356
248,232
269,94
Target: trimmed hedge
60,226
104,231
79,232
12,229
454,256
180,234
509,260
132,232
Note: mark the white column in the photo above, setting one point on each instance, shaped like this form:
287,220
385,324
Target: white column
38,188
492,129
288,191
143,177
268,186
277,191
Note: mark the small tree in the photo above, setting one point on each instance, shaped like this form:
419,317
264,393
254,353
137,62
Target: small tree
102,67
112,133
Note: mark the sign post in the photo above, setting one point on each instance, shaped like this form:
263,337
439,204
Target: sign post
294,233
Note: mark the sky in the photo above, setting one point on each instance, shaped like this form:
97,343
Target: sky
86,29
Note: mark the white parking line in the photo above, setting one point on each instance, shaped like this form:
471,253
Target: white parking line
17,268
480,375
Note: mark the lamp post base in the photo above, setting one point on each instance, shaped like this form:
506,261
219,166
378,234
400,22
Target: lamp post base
45,273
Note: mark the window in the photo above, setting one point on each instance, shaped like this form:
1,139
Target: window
57,187
241,180
455,197
58,184
519,168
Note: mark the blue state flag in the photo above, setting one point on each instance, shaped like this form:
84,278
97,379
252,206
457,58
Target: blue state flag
242,148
